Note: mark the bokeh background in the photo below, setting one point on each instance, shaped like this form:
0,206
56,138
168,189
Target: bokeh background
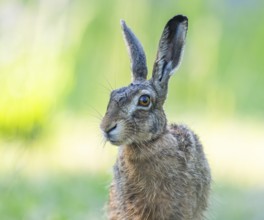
60,59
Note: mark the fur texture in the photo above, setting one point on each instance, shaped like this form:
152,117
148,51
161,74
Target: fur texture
161,172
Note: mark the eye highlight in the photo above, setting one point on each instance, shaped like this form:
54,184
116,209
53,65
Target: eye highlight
144,100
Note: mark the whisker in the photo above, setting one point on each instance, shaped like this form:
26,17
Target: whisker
96,114
109,84
95,117
104,143
105,87
95,110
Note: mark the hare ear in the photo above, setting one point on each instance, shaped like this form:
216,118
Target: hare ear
136,53
169,53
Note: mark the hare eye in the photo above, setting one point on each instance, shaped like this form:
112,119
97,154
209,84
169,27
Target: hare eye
144,100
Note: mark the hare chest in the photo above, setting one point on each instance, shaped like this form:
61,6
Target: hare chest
149,190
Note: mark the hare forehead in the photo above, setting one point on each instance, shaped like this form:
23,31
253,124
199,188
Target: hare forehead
127,94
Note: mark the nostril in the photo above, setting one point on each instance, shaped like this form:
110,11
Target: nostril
111,129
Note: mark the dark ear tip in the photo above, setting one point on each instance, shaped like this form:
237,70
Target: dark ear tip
178,19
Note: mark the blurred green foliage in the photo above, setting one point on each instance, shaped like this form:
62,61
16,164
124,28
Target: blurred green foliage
78,197
66,55
60,197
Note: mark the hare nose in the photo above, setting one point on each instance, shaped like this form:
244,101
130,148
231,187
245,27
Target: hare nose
108,131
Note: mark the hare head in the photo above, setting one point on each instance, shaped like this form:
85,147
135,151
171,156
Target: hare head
135,113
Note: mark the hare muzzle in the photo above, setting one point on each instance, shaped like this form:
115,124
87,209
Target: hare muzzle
112,132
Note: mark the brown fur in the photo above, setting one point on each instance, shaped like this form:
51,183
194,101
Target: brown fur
161,172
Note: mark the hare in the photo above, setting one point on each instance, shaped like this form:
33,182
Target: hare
161,172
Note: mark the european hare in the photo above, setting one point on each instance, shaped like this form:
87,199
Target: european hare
161,171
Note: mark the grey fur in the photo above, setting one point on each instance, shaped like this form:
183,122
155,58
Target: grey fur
136,53
161,172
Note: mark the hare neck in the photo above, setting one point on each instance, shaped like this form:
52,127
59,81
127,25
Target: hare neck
137,152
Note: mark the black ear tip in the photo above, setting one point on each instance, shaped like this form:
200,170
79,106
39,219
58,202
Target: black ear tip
178,19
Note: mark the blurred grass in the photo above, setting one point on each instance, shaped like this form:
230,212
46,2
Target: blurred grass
233,202
55,197
67,196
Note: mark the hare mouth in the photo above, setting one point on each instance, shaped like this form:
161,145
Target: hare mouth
114,142
113,139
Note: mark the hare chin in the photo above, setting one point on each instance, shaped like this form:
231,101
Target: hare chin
122,141
116,142
119,142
